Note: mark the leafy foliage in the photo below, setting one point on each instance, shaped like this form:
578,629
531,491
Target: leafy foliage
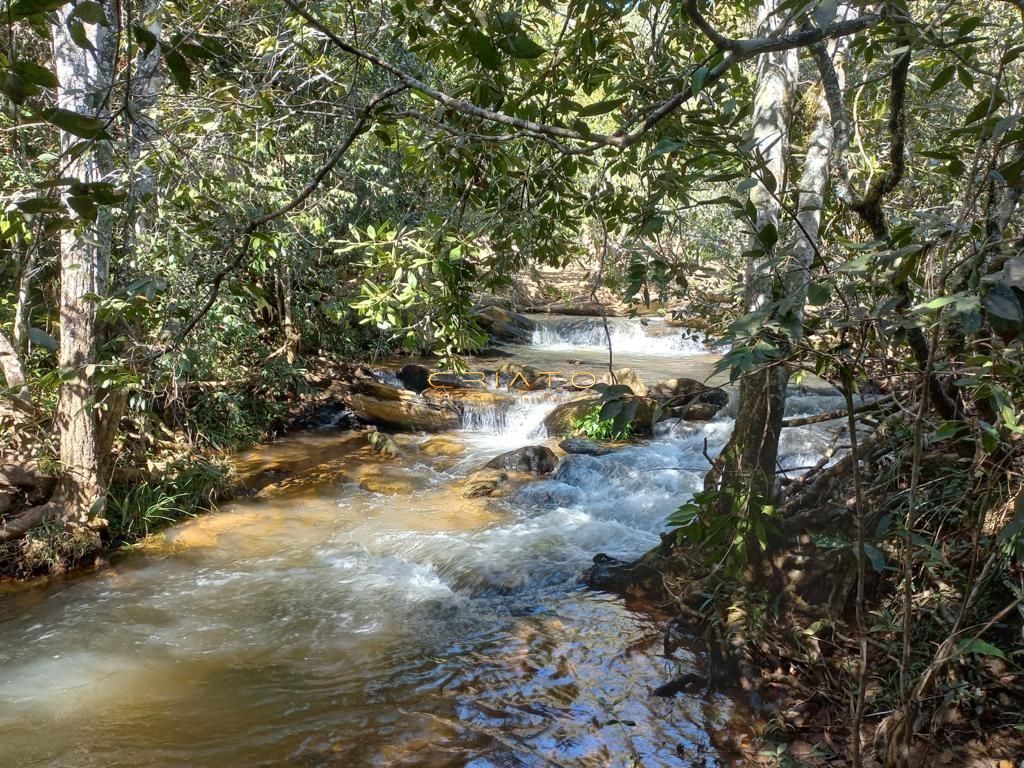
594,427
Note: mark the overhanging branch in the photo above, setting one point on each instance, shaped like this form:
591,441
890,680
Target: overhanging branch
736,51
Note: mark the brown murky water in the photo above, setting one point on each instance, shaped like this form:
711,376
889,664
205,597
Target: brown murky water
361,612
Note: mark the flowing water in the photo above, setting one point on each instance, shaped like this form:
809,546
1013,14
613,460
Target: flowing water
360,611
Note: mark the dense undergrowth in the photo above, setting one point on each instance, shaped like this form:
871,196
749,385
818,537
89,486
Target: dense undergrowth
791,630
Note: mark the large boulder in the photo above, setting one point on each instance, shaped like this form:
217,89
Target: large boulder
535,459
689,399
389,406
628,377
414,376
560,420
505,325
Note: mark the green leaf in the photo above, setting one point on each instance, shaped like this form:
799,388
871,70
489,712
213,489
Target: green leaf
989,437
653,226
601,107
521,47
41,338
484,50
768,235
39,205
146,40
91,12
980,647
22,9
1002,306
818,294
746,185
80,35
665,146
949,429
85,206
874,554
697,80
179,70
1011,171
36,74
944,78
84,126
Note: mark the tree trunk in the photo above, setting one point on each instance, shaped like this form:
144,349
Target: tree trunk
85,79
21,319
747,464
10,366
291,332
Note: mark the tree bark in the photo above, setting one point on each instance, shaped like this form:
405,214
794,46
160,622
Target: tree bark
748,462
291,332
10,365
85,80
21,305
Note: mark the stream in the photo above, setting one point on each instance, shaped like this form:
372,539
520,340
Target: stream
361,612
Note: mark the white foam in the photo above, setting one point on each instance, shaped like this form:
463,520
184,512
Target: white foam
628,336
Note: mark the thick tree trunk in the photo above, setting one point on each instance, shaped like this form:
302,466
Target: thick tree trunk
85,79
748,462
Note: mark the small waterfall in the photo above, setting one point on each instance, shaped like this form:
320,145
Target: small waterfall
387,377
628,336
515,424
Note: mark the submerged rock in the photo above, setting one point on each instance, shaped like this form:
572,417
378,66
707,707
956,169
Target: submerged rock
442,446
535,459
483,482
382,444
636,579
581,445
385,405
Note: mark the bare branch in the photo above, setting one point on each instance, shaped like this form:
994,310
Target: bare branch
698,18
